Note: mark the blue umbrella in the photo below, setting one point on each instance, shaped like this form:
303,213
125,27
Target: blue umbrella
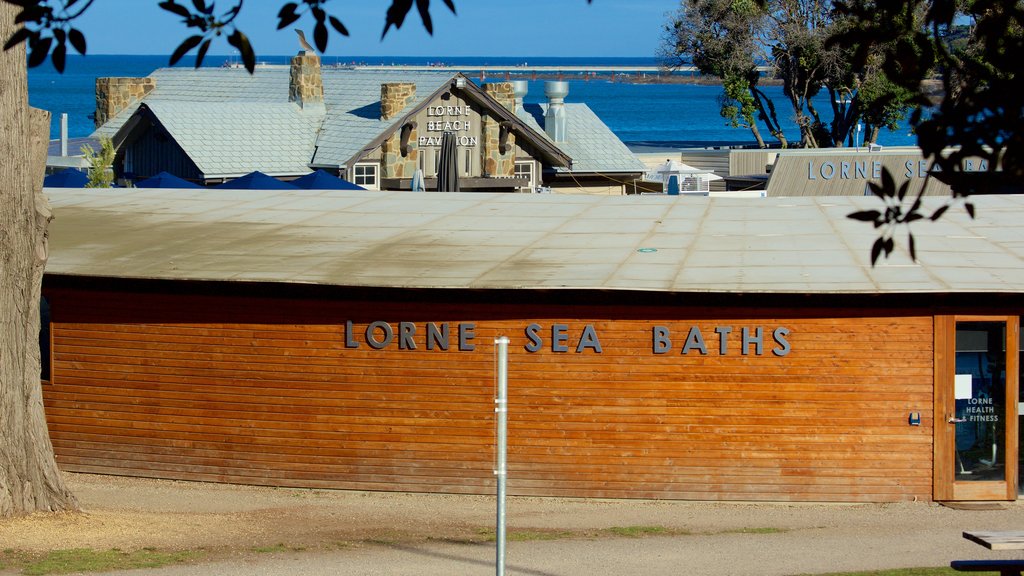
321,180
66,178
256,181
165,180
418,183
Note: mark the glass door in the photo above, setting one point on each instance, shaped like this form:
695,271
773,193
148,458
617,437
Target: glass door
976,435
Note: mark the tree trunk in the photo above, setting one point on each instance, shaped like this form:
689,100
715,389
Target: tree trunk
29,478
757,135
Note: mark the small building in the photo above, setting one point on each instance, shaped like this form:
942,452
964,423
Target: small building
661,347
373,128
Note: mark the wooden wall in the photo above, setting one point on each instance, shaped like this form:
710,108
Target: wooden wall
264,391
153,150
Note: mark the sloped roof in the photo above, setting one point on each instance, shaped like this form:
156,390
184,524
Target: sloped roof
349,119
589,141
189,101
353,101
527,241
228,139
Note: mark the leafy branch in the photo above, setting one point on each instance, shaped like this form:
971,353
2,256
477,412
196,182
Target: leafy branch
203,18
47,25
292,11
897,214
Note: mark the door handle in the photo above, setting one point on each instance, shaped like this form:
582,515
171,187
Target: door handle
955,420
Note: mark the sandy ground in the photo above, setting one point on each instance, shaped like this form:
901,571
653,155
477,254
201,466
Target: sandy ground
379,533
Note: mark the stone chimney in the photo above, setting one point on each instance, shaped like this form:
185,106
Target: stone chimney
115,94
394,97
399,153
499,143
503,92
306,83
556,118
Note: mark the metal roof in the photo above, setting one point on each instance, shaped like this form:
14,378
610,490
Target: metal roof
590,143
523,241
216,115
228,139
350,117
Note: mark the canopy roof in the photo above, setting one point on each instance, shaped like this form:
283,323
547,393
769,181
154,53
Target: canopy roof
524,241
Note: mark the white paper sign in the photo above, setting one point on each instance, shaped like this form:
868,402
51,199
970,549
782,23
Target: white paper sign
963,385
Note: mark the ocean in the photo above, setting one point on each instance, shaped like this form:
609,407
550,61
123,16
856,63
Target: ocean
651,115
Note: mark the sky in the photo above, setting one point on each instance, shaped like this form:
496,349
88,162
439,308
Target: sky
561,28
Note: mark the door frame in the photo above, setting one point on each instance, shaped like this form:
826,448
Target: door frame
944,486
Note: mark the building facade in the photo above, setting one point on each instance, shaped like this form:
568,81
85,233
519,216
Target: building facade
353,348
375,129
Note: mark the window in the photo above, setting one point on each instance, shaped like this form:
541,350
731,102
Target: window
365,175
469,163
525,170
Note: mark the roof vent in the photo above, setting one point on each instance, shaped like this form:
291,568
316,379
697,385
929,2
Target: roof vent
519,90
556,118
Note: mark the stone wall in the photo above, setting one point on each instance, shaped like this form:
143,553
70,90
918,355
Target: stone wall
393,164
115,94
394,97
306,84
494,162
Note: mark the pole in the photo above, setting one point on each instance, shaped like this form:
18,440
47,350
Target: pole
501,413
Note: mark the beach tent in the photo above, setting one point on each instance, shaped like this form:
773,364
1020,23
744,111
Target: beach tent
165,180
67,178
321,180
687,178
256,181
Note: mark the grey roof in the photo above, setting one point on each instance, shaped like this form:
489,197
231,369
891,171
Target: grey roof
229,139
492,241
592,146
351,98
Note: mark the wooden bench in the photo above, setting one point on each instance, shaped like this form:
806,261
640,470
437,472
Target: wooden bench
1003,567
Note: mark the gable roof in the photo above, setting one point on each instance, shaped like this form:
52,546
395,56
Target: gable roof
527,241
229,139
590,142
239,105
348,120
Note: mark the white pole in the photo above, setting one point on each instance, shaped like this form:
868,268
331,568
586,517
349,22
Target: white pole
501,412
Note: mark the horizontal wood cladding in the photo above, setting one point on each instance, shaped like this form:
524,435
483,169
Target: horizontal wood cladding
269,391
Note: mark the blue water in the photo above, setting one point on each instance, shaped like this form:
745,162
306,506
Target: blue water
655,114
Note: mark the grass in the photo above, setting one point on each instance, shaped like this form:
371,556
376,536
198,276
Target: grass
276,548
640,531
86,560
531,535
526,535
904,572
764,530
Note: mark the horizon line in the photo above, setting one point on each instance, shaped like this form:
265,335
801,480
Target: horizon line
235,55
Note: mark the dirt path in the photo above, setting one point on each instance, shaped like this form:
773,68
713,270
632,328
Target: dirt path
242,529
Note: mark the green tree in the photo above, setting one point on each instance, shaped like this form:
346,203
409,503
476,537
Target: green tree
101,163
960,60
720,38
729,38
